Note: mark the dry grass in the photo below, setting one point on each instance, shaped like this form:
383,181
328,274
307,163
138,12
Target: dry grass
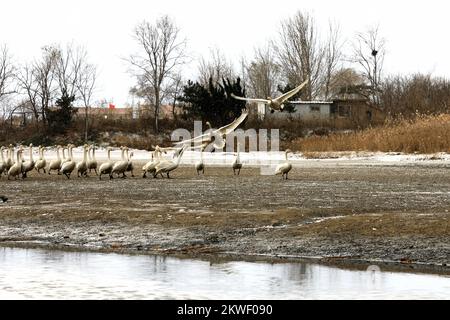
423,134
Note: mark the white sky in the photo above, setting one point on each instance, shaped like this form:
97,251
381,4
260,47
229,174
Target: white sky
416,31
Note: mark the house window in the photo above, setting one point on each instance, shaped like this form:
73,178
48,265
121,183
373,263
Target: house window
344,111
314,109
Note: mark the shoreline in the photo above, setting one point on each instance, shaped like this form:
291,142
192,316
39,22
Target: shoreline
218,257
397,216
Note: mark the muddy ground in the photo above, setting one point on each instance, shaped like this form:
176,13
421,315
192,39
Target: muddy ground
398,215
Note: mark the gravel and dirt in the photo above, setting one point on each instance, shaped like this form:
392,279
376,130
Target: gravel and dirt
397,216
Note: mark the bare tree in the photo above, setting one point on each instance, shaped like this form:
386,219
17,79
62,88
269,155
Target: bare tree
332,58
264,74
174,90
6,72
163,52
368,53
301,53
215,68
85,84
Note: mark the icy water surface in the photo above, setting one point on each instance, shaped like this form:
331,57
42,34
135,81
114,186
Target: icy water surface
49,274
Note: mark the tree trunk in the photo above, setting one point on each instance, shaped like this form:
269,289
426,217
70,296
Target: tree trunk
86,125
157,102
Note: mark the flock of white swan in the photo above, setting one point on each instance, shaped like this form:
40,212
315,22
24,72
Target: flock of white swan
157,165
16,166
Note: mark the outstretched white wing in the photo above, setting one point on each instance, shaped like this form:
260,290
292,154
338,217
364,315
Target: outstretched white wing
291,93
250,99
230,127
206,138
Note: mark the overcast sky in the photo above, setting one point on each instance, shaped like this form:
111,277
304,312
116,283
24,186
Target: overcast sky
416,31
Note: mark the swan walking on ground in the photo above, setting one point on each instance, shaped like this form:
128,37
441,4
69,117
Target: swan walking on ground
106,167
28,165
82,166
285,167
55,164
168,166
200,166
237,164
92,161
9,161
150,167
277,103
120,166
41,163
68,166
3,164
16,168
130,167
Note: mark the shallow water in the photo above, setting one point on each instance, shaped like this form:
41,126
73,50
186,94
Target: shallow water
49,274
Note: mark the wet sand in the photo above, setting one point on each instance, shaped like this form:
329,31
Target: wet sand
338,214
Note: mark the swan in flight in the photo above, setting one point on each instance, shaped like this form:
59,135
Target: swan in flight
276,103
218,134
168,166
285,167
237,164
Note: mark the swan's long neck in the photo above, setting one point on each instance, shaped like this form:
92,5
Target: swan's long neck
19,159
70,154
57,154
201,155
123,154
31,153
128,155
286,153
85,154
109,154
10,153
3,157
64,155
89,153
179,157
93,153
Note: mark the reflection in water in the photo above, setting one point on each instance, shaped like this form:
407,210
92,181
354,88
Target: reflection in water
43,274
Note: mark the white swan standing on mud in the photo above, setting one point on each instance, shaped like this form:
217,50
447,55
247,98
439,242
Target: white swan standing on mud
28,165
41,163
237,164
106,167
168,166
285,167
3,164
16,168
120,166
55,164
200,165
92,161
82,166
68,166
